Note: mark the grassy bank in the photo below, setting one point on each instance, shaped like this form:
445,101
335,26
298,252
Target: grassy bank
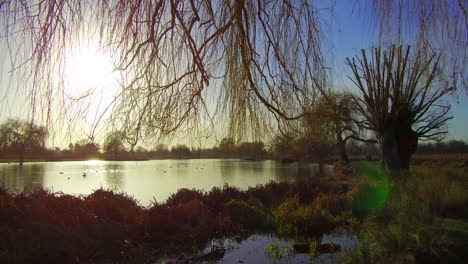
415,217
42,226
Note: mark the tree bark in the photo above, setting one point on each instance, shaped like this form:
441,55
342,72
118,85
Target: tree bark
341,149
398,142
321,167
21,158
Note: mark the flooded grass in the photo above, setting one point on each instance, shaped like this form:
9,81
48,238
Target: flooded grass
269,248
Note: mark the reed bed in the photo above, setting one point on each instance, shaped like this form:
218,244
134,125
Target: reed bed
106,226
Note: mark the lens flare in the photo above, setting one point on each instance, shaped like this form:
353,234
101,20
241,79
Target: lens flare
373,194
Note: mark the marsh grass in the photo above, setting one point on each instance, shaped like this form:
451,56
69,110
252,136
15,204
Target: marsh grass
459,161
106,226
424,220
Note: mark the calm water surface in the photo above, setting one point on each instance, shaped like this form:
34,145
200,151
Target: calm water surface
149,180
259,248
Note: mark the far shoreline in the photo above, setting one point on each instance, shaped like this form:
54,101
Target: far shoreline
137,159
14,161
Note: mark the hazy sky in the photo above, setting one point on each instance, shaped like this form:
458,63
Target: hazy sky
348,32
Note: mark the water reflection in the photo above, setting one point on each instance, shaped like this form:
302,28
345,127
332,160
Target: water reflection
148,180
17,178
226,169
114,176
261,249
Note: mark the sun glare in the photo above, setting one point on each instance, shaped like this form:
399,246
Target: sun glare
90,82
89,69
93,162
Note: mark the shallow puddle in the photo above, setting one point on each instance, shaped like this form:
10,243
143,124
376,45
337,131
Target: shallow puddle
262,248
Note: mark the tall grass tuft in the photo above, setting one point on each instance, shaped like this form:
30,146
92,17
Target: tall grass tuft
424,221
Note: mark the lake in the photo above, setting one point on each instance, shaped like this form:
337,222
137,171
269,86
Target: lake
148,181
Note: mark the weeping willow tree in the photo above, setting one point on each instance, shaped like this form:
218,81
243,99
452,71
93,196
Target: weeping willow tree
400,100
260,58
332,117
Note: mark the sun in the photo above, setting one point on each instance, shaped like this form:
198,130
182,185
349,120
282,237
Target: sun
89,70
90,83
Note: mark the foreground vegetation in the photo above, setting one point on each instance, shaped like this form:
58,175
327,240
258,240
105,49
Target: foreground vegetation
419,216
107,226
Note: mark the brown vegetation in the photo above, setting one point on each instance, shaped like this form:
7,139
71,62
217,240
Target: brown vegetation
107,226
441,160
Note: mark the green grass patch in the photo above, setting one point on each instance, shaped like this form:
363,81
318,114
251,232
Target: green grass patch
424,218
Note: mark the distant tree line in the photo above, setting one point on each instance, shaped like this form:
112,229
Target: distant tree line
21,140
448,147
116,148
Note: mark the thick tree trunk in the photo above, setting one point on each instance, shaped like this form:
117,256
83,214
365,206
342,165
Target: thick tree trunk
321,167
398,142
21,157
340,143
341,149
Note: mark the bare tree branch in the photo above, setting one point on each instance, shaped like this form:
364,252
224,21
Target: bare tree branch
169,53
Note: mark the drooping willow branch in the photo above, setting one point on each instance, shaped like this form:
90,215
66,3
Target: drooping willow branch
259,58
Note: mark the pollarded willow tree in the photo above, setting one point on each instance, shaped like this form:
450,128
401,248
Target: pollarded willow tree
172,55
400,100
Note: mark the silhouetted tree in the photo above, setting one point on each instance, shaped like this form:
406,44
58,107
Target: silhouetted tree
400,100
283,147
86,148
141,149
227,146
161,150
251,150
181,151
333,117
20,136
114,143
